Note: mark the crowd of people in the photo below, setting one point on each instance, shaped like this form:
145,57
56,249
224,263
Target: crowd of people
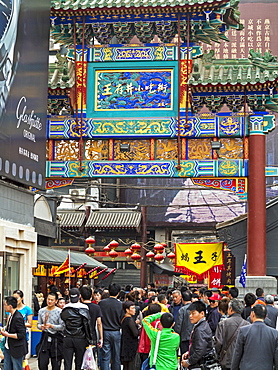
135,328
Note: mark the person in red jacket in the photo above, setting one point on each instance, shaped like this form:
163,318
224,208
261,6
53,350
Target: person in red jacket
144,346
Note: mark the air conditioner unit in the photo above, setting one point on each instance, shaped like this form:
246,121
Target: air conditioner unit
78,193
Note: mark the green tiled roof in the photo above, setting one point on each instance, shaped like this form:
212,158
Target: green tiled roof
61,74
114,218
209,71
90,4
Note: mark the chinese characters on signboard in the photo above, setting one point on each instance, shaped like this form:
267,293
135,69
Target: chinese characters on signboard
260,32
215,277
228,273
134,89
198,258
49,270
255,35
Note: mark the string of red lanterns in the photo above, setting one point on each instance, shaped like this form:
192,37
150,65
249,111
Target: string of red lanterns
133,252
90,250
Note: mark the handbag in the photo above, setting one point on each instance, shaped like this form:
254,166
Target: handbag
146,363
224,351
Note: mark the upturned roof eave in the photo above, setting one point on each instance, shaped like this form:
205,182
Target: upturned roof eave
140,6
234,84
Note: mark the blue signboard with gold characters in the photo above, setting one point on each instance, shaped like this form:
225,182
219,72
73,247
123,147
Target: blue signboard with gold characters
132,89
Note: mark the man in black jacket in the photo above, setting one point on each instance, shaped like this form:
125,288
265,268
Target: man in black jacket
183,325
77,330
15,333
201,337
214,315
112,315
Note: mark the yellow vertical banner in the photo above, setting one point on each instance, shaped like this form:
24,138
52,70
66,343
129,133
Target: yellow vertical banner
198,258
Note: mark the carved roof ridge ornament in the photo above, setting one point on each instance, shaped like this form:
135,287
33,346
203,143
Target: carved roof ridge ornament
263,61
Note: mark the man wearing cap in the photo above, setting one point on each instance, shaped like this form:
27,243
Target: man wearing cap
77,330
214,315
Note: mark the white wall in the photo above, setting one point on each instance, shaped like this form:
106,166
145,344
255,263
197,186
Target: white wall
21,241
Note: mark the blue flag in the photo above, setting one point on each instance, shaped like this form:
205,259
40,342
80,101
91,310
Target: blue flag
242,278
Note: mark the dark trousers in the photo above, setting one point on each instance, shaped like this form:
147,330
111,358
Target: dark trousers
184,346
73,346
43,360
128,365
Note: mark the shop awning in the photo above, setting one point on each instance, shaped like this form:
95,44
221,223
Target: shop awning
164,268
114,218
58,256
71,219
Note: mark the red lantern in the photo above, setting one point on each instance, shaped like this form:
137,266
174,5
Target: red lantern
150,255
128,252
90,251
90,240
171,256
135,257
164,245
159,257
135,247
113,245
159,248
113,254
107,249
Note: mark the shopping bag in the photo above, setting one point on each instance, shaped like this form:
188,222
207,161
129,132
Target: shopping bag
146,365
89,362
25,365
2,343
137,361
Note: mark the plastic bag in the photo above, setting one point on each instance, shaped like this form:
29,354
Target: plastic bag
2,343
89,362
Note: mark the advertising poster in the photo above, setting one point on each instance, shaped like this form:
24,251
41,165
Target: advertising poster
24,27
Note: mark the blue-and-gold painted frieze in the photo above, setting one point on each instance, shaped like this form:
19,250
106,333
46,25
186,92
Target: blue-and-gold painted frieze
194,127
119,90
124,89
118,53
189,168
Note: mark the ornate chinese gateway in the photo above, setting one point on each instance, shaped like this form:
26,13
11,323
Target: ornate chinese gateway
135,95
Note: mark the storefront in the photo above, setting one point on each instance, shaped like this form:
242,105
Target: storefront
18,255
81,266
163,273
